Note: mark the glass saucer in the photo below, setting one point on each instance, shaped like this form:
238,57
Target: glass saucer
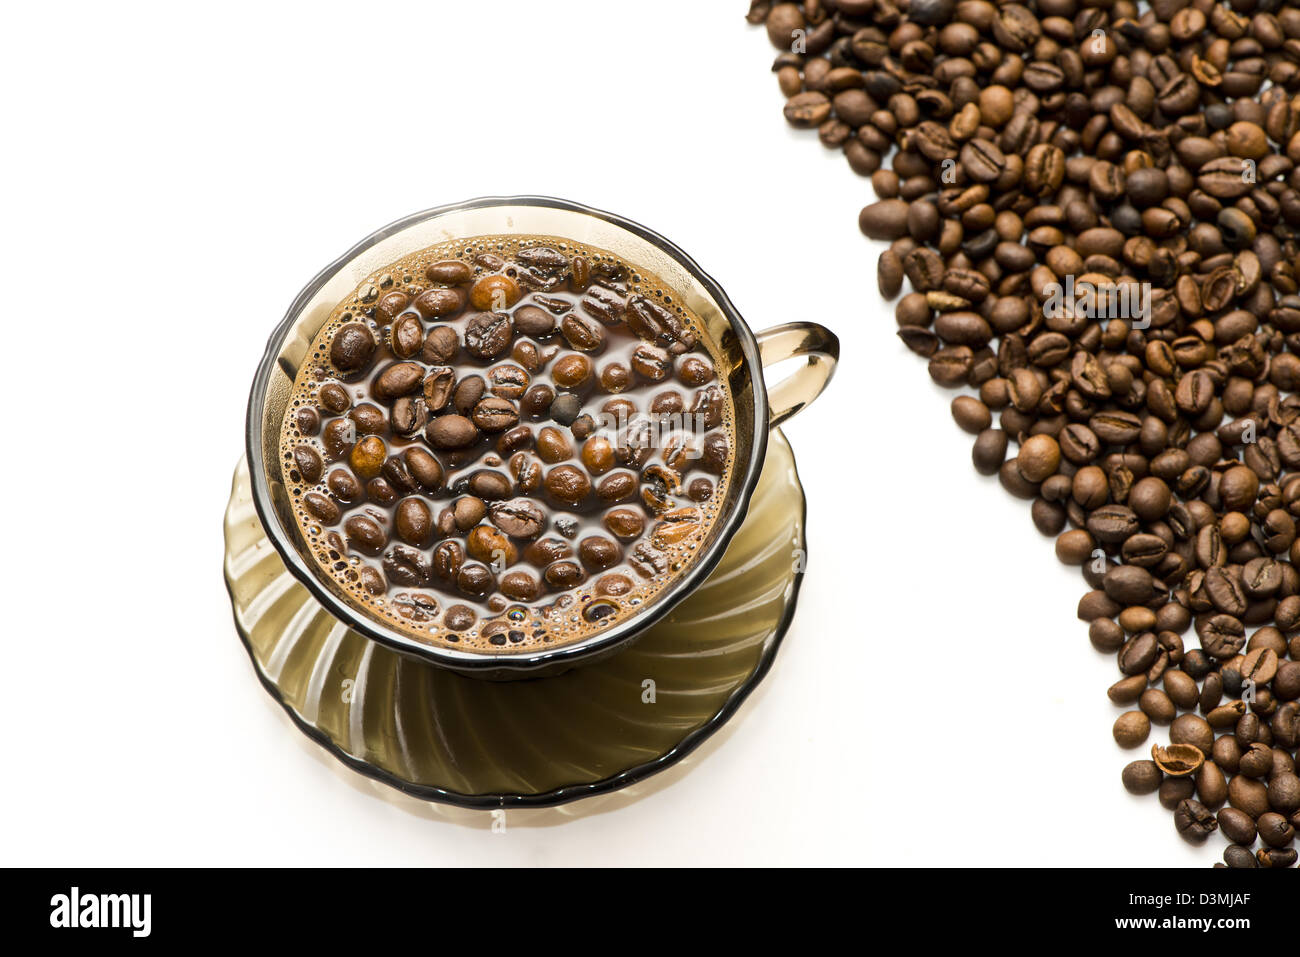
539,742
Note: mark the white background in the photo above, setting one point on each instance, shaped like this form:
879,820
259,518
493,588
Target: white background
175,173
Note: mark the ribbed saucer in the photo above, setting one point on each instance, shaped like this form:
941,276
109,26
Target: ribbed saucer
532,743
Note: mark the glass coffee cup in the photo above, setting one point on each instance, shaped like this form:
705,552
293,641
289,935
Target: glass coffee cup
739,354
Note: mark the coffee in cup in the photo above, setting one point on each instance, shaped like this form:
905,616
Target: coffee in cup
507,443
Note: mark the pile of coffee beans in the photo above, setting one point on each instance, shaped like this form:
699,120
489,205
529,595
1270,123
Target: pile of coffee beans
503,443
1096,209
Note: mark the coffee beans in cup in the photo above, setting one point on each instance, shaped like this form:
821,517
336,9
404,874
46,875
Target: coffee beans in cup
504,443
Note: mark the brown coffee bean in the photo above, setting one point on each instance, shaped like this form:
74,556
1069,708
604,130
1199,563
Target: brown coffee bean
1178,760
982,161
369,419
572,372
886,219
599,553
494,293
625,523
1237,826
508,381
352,347
414,521
441,345
695,371
808,109
553,445
1194,730
345,487
616,487
307,420
439,303
424,468
567,484
990,451
1141,777
321,507
451,432
367,456
488,334
449,272
519,518
1248,795
399,379
365,533
651,363
490,485
1131,729
475,579
407,336
1194,821
582,332
494,414
309,463
409,416
533,321
1039,457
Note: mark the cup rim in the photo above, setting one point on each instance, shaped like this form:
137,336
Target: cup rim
517,663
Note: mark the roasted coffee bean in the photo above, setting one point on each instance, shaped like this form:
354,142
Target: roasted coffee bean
1173,790
494,292
451,432
1237,826
409,416
321,507
488,335
381,492
1194,821
489,485
407,336
352,348
1112,524
519,518
886,219
369,419
1194,730
424,468
1276,856
1275,830
1239,857
982,160
582,332
414,521
534,321
398,379
308,421
494,414
440,345
309,463
1141,777
437,387
567,484
1131,729
365,533
344,487
438,303
367,456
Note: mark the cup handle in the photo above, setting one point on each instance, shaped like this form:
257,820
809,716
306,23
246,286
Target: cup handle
797,390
